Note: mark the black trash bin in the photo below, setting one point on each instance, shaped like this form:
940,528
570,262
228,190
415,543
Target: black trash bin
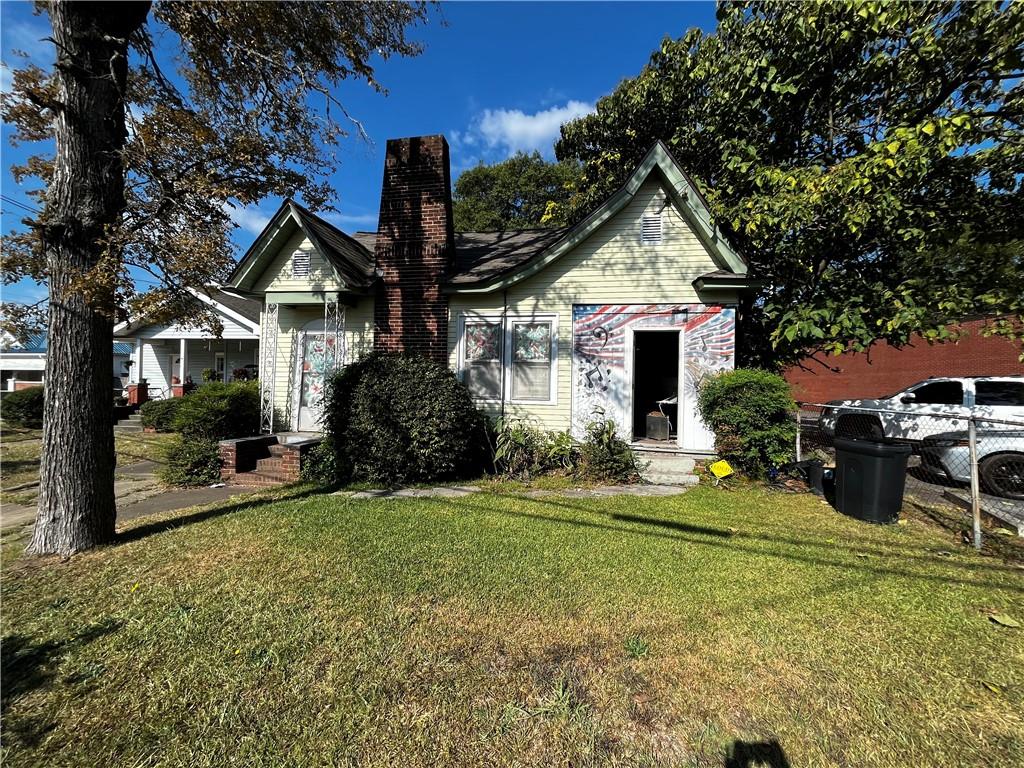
869,479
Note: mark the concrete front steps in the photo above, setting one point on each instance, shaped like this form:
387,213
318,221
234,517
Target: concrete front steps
132,424
668,467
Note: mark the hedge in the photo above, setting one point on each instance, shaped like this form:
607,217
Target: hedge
159,414
219,411
24,408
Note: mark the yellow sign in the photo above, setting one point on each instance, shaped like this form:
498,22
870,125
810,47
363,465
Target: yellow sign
721,469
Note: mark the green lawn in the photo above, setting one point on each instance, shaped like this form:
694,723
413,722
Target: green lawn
497,630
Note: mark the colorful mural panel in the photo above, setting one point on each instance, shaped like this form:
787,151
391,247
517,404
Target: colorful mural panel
600,388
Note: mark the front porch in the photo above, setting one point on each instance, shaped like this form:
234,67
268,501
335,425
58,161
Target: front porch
171,366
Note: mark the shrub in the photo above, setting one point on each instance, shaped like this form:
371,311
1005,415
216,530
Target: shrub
751,414
518,448
607,457
190,462
320,465
399,419
219,411
24,408
159,414
561,452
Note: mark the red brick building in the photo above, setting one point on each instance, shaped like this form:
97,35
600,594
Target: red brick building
884,370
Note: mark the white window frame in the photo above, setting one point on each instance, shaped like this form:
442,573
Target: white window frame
507,324
470,318
533,317
224,371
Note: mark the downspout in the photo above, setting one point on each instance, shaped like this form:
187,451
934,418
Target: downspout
504,325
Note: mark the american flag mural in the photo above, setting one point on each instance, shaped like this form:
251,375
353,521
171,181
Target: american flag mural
599,359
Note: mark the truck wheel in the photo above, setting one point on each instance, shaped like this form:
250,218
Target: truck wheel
1002,474
860,427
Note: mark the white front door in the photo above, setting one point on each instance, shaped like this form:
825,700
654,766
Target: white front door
317,362
174,369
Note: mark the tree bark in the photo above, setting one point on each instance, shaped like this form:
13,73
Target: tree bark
85,199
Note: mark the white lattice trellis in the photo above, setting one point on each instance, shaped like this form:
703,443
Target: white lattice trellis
268,366
334,322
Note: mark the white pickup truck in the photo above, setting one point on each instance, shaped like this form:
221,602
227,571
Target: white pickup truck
928,408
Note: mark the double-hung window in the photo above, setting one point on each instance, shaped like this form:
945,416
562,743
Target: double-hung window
531,359
512,359
482,355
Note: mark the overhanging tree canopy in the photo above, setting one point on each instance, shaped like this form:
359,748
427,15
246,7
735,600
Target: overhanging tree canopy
858,153
151,149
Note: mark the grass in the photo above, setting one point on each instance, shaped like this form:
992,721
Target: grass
20,449
499,630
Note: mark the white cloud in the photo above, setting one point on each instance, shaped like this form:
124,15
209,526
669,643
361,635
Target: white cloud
251,219
5,78
29,39
345,220
513,130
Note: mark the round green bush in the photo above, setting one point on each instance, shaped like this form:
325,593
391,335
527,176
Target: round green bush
752,414
395,419
159,414
219,411
190,462
24,408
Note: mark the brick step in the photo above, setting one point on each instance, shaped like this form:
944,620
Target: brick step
258,478
273,465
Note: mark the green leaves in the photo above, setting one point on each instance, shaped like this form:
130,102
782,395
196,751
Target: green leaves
872,147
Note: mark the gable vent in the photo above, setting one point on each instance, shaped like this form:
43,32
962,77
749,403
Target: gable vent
650,233
300,264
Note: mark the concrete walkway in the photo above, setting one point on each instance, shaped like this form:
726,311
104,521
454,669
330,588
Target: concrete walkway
138,493
455,491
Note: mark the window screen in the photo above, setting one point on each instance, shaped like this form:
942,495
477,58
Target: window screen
300,264
999,393
482,355
651,230
940,393
531,360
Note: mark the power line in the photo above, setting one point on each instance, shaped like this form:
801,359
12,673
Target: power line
19,204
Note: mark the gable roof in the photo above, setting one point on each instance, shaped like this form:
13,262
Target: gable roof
246,312
485,274
351,260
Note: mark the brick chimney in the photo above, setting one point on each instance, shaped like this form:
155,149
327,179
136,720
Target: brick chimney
415,243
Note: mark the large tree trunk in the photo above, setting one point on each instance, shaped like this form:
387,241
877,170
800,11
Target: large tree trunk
85,198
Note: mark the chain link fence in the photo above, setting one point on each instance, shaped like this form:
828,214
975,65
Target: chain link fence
965,470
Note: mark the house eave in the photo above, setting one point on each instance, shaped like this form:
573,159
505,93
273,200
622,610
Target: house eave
678,185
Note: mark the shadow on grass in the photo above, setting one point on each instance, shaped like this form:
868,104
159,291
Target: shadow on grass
138,532
747,543
747,754
26,665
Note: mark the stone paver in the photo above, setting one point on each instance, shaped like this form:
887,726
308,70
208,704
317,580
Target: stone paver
612,490
445,492
455,491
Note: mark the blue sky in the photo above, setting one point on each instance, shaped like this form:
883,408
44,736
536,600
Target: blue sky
494,78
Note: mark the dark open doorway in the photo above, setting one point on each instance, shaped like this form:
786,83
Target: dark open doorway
655,377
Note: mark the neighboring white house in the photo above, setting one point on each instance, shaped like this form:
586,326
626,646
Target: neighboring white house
23,364
168,356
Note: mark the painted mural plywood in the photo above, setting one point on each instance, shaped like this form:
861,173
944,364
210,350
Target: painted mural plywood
601,370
